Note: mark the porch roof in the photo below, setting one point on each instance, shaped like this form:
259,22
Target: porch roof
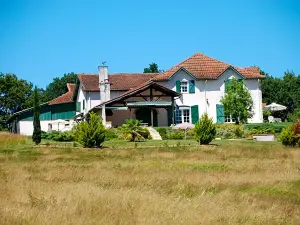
140,89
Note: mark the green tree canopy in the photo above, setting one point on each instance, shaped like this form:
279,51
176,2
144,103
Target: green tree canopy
14,95
237,101
58,86
153,68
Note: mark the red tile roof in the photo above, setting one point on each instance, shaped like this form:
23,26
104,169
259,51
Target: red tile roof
119,81
204,67
65,98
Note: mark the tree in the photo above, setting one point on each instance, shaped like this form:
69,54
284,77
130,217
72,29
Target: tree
133,129
58,86
237,101
14,95
205,130
36,136
90,133
153,68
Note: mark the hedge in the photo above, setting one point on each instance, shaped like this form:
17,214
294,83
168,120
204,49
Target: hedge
277,127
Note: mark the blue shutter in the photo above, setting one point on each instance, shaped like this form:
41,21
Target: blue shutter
220,113
191,86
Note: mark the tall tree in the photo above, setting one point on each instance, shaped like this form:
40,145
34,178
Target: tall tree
36,136
153,68
14,95
237,101
58,86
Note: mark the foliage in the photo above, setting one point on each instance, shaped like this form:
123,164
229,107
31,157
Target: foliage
58,86
176,135
229,131
277,127
237,101
90,133
291,136
111,134
65,136
293,117
132,130
266,114
36,136
205,130
162,132
279,90
153,68
14,95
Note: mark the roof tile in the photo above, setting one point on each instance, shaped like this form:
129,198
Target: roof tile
65,98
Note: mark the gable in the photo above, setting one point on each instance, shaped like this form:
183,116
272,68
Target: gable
230,73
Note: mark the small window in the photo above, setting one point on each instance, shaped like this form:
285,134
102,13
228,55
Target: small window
183,86
186,115
178,117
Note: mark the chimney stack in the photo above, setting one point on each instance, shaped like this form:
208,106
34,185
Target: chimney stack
104,84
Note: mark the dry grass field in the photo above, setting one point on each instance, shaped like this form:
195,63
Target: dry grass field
228,182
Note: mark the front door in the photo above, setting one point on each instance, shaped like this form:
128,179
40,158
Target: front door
144,114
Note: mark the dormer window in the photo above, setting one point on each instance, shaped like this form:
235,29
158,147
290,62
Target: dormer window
183,86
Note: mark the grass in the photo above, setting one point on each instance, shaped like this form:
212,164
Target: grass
227,182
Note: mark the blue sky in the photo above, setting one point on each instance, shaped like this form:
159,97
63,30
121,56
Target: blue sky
43,39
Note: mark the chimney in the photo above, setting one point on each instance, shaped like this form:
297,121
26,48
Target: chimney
104,84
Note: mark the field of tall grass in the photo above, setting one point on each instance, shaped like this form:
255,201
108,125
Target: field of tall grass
228,182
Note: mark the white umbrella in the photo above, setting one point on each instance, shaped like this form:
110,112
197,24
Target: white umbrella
184,126
275,107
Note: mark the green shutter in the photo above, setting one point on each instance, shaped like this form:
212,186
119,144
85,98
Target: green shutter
78,106
191,86
220,113
178,86
195,113
227,83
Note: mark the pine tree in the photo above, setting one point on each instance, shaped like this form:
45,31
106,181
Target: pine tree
36,136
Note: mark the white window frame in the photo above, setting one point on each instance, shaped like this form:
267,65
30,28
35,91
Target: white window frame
181,115
181,86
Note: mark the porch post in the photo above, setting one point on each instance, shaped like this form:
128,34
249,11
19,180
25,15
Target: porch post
103,116
130,112
172,108
152,117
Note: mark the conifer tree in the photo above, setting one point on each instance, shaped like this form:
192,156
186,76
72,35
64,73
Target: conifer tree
36,136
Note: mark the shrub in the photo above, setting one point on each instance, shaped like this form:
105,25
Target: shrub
63,136
176,135
291,136
163,132
132,131
228,131
205,130
111,134
277,127
145,133
90,133
295,115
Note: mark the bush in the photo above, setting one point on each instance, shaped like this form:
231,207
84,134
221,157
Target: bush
64,136
145,133
205,130
291,136
111,134
90,133
277,127
133,131
228,131
163,131
176,135
295,115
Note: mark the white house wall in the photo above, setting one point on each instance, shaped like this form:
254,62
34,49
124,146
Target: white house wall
209,93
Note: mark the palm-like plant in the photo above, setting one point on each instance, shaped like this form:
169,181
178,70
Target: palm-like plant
133,129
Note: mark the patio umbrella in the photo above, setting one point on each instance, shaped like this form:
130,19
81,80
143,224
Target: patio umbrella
184,126
274,107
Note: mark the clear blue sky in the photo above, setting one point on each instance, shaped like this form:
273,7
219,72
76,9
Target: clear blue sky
44,39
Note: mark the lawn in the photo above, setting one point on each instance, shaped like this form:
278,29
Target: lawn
153,182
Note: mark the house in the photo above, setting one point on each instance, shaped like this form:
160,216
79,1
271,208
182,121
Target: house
180,94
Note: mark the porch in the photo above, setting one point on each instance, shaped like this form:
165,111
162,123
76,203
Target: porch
151,103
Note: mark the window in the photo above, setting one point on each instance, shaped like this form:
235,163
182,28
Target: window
182,116
183,86
229,119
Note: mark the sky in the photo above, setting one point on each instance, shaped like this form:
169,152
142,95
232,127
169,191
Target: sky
43,39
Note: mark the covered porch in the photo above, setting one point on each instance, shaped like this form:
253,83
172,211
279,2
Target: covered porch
151,103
